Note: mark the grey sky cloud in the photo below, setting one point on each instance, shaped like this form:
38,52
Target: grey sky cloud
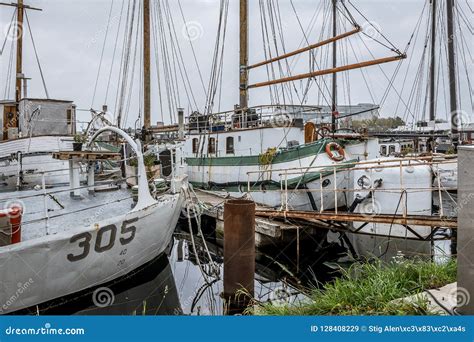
69,36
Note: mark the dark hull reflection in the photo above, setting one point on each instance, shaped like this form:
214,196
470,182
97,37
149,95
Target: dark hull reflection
277,276
149,290
188,280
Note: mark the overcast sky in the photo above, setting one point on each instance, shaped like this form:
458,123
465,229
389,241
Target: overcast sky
69,37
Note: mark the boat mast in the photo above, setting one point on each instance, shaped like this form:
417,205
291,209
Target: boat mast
429,144
433,61
146,65
19,57
452,73
334,65
243,59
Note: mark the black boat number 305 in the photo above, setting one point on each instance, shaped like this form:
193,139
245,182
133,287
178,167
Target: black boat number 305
127,232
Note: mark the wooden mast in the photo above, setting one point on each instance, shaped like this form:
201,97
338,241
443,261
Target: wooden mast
433,61
244,86
243,59
19,57
19,77
430,141
455,117
334,65
146,65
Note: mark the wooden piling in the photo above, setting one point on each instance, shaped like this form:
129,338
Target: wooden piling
239,255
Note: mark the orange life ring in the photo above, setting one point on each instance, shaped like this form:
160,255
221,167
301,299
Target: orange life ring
334,146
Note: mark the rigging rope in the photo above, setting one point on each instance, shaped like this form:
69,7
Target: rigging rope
102,53
192,48
12,20
36,56
114,52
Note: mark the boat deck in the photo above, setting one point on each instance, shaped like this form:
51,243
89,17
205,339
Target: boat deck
65,212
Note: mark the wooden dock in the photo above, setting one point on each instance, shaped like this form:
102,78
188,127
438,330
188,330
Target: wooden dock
268,231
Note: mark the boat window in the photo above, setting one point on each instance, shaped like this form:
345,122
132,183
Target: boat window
391,149
383,150
211,148
195,145
229,145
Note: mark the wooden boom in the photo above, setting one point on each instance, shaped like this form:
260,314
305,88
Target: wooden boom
307,48
328,71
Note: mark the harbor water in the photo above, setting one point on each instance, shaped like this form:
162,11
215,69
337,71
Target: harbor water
181,282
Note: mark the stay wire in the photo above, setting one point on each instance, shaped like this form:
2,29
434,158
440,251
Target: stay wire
102,52
36,55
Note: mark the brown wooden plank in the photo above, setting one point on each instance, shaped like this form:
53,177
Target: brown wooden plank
86,155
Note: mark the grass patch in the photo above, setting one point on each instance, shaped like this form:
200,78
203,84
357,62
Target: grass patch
370,288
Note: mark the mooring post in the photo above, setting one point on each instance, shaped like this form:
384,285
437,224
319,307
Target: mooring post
465,231
239,255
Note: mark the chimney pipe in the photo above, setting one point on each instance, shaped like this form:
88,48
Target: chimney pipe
181,123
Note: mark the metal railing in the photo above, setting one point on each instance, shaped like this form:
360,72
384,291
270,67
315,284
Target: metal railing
252,117
332,170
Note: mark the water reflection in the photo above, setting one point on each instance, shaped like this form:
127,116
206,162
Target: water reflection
149,290
277,277
187,280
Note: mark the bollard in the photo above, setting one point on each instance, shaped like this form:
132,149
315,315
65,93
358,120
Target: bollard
239,255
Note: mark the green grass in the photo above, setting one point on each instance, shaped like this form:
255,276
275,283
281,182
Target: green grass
370,288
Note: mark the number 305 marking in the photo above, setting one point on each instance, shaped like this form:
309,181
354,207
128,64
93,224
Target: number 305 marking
127,232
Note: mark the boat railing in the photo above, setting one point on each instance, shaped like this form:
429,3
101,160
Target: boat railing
332,170
50,195
25,174
252,117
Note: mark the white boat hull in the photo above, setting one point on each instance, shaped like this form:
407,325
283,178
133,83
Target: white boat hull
36,159
42,269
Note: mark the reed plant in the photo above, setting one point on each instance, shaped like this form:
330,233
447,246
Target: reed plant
371,288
